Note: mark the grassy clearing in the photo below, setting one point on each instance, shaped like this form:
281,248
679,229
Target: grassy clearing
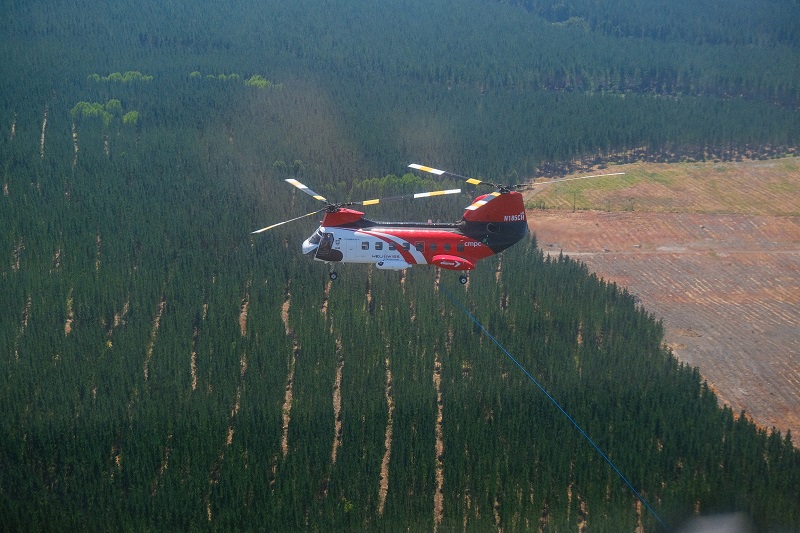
770,188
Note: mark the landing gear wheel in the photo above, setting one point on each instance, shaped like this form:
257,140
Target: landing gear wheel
463,279
333,275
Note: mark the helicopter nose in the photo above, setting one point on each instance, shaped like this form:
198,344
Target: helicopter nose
308,248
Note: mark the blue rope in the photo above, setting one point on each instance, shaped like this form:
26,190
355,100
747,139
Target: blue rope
572,420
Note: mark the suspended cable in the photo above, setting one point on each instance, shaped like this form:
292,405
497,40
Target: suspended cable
572,420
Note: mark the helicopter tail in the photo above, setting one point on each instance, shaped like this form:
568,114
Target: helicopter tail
496,219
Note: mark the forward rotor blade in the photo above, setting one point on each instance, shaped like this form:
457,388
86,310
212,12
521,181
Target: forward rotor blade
290,220
306,190
405,196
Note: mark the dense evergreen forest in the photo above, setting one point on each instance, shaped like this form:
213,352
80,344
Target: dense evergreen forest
163,369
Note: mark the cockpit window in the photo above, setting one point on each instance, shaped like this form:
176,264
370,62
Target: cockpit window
314,239
327,242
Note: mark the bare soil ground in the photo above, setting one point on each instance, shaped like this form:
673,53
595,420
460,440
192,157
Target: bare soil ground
383,490
438,495
714,250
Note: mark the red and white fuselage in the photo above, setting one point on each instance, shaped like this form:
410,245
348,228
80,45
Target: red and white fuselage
491,224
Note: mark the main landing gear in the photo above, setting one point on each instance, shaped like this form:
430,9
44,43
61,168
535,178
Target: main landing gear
462,279
333,275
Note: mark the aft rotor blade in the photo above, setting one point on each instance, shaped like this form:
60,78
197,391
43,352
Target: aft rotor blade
437,172
406,196
306,190
287,221
474,181
436,193
483,201
479,203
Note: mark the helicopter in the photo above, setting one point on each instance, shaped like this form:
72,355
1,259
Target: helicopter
490,224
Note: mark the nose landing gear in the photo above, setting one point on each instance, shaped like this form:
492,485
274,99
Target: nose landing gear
331,272
462,279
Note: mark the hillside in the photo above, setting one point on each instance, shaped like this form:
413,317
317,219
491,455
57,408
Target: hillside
164,369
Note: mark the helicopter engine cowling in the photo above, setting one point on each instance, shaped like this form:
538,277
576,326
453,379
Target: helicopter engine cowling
395,264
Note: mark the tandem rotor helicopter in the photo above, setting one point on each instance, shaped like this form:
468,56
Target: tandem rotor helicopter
490,224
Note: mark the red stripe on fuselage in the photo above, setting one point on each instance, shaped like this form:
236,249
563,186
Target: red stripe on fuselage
472,250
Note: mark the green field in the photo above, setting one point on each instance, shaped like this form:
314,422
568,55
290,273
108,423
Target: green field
770,188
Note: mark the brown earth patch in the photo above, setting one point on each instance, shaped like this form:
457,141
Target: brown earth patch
16,254
722,270
383,489
193,357
99,242
243,315
337,403
70,313
151,344
438,495
44,127
287,402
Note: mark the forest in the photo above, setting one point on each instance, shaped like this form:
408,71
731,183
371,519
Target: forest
164,369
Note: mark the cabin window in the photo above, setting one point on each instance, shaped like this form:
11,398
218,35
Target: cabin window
420,246
327,242
379,245
460,247
432,247
447,247
365,245
392,246
406,246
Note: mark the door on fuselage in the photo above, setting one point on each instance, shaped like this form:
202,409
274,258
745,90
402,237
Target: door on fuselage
326,251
